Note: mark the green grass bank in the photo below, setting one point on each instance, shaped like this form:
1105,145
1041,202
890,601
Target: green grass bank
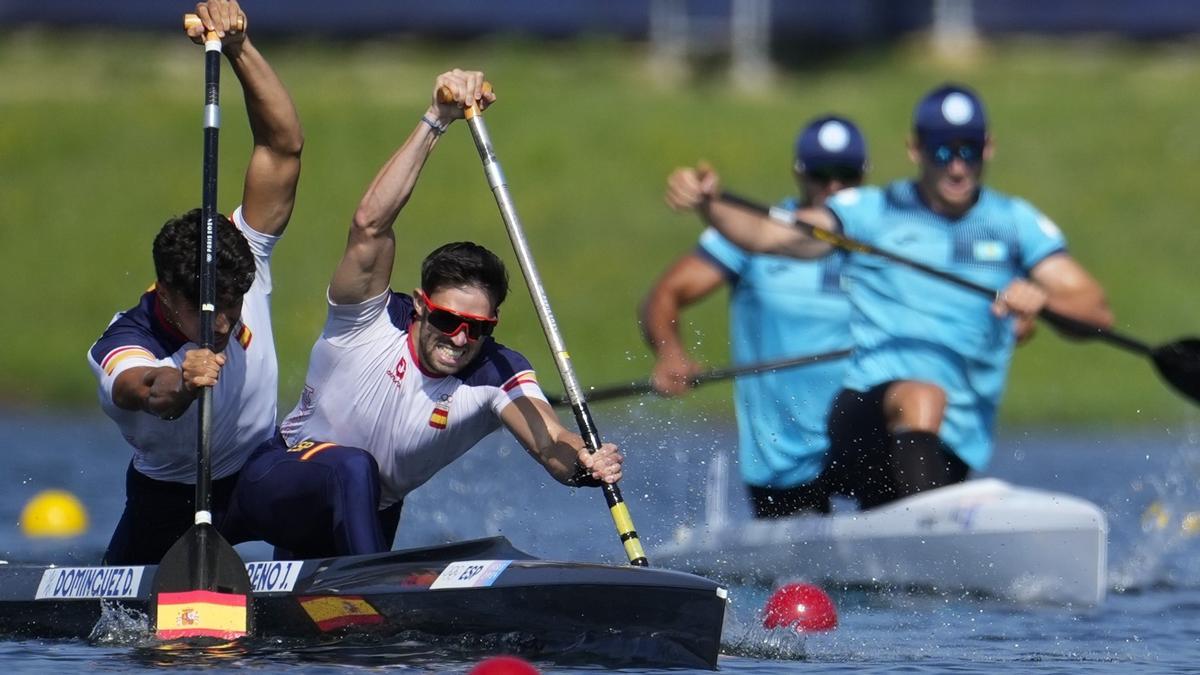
100,142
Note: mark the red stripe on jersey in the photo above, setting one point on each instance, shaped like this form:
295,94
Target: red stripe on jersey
523,377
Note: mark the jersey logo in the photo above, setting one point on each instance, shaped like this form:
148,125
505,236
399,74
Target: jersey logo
302,446
244,336
1048,227
309,448
397,373
990,251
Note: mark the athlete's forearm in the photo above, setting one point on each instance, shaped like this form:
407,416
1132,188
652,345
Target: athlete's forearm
393,185
759,234
169,396
274,122
159,391
365,269
1087,304
660,323
755,233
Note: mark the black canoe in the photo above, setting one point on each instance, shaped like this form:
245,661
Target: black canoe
485,588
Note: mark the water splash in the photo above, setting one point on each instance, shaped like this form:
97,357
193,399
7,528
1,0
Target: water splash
121,626
748,638
1161,551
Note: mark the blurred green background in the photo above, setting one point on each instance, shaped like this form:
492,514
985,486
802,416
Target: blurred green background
100,142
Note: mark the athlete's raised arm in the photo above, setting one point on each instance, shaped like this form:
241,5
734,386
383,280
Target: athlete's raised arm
269,192
699,188
366,267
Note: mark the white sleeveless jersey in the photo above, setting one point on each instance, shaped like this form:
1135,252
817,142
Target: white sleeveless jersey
244,400
366,389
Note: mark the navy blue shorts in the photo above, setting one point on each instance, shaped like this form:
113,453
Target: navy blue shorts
312,500
157,513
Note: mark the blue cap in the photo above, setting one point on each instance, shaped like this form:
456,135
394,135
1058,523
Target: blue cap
950,113
830,141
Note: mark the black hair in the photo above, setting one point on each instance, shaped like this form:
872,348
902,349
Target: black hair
465,263
177,259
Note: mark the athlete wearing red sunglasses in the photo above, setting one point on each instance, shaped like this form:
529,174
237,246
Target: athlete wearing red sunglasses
400,386
448,333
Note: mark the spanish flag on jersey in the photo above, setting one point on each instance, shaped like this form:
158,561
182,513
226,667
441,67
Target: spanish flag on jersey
440,416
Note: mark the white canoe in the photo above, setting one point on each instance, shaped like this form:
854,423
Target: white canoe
982,536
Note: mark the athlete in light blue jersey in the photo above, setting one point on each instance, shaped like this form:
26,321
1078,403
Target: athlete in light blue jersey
778,307
918,406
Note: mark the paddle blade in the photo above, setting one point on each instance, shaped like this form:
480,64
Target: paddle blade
201,589
1179,364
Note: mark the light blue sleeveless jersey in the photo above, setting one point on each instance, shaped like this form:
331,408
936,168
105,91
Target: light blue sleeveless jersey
782,307
908,325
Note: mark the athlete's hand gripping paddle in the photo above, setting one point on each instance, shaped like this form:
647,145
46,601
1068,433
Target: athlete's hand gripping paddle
1177,362
562,359
201,588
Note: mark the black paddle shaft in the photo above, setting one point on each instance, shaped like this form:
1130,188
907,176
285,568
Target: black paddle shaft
612,391
201,560
208,289
1177,362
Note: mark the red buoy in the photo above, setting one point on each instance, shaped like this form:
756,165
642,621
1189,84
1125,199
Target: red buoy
504,665
803,607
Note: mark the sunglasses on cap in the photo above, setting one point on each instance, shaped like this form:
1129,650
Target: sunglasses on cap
452,323
944,153
841,174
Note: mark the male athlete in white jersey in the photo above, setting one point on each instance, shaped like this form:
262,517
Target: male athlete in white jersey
148,362
400,386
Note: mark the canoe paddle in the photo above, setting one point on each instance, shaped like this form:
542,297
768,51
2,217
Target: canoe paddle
201,588
715,375
1177,362
562,359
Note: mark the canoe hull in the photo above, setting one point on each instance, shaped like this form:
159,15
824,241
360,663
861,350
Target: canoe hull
983,536
610,615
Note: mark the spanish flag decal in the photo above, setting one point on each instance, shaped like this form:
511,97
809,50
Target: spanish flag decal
440,416
331,612
201,614
244,336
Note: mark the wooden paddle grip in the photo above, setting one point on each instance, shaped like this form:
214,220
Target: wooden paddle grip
190,20
444,95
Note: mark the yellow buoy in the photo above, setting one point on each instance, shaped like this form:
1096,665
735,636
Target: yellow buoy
1191,523
1155,517
54,513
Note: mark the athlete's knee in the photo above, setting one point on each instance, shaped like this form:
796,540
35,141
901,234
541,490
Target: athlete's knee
914,406
354,475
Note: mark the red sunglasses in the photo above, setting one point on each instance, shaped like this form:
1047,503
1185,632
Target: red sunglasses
452,323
